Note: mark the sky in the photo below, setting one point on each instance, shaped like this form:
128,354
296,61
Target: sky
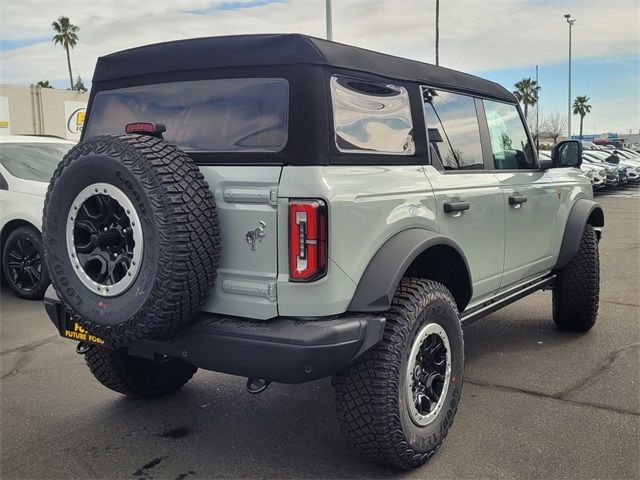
502,40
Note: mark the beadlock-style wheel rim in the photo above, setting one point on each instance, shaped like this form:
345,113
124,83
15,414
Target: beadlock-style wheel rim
428,374
104,239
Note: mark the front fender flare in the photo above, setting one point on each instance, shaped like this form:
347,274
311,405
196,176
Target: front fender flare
583,211
387,267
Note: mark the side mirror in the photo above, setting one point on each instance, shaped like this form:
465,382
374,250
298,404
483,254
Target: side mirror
613,158
567,154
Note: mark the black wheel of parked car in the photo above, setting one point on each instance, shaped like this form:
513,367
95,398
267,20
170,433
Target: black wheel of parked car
138,377
23,263
577,289
131,236
397,402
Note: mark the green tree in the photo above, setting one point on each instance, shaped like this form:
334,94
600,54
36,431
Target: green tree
527,92
44,84
79,86
67,36
581,107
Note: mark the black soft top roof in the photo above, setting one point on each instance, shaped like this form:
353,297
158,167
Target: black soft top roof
283,49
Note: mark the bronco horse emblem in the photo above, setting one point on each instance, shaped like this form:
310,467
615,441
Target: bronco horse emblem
255,235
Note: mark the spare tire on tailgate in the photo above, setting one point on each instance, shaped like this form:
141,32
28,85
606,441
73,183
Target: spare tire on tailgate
131,236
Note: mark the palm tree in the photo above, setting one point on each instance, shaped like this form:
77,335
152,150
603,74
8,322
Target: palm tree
526,92
581,107
67,36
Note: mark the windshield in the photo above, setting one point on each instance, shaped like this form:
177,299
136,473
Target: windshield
32,161
227,115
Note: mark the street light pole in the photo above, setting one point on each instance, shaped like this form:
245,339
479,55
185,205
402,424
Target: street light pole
328,18
437,32
537,115
570,22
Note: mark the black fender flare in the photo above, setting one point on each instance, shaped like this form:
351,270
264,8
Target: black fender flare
582,212
387,267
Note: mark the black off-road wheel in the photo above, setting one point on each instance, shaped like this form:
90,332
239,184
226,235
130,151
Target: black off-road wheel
576,292
131,236
397,403
138,377
23,263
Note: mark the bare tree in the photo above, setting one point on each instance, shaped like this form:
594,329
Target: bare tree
536,128
554,125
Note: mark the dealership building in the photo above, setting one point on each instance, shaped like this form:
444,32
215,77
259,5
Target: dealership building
35,110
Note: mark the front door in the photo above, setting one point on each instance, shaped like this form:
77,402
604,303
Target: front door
531,199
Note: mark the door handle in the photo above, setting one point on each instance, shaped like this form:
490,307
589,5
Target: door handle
517,200
451,207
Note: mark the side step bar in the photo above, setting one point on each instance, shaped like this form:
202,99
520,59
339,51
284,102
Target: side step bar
505,299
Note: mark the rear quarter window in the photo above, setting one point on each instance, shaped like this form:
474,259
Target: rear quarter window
222,115
371,118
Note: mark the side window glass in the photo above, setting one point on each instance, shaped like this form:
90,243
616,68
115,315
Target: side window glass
509,141
371,118
454,135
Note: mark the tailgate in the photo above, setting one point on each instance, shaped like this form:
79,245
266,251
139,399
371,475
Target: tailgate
246,200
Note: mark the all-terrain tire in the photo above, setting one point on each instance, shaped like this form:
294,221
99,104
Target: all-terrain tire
29,239
371,397
179,226
576,291
138,377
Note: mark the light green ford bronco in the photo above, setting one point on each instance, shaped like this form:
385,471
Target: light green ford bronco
286,208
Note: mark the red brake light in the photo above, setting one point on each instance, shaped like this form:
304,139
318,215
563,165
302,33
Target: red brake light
307,240
146,128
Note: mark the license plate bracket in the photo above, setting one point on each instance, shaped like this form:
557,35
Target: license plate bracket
74,331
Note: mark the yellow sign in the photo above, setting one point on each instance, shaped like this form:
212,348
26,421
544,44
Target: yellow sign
80,334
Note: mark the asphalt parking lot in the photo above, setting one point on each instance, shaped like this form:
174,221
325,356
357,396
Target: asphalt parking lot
537,403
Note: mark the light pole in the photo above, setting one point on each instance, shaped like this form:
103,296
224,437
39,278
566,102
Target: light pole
328,18
570,22
437,32
537,115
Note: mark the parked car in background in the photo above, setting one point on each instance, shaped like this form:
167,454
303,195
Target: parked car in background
628,155
589,145
631,168
611,171
596,174
26,165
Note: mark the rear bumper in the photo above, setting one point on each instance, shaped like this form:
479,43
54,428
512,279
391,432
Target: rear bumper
287,350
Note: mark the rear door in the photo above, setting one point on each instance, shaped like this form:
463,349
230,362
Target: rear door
469,198
531,199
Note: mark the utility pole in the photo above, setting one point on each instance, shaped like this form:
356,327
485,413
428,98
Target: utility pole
537,115
437,32
328,18
570,22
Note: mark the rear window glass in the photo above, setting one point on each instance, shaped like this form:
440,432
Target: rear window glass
371,118
228,115
32,161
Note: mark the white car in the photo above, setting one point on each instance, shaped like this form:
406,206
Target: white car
26,165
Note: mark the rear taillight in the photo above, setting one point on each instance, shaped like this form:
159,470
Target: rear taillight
307,240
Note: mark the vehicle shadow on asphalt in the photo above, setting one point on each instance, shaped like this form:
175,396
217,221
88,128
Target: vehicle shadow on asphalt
213,427
222,431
